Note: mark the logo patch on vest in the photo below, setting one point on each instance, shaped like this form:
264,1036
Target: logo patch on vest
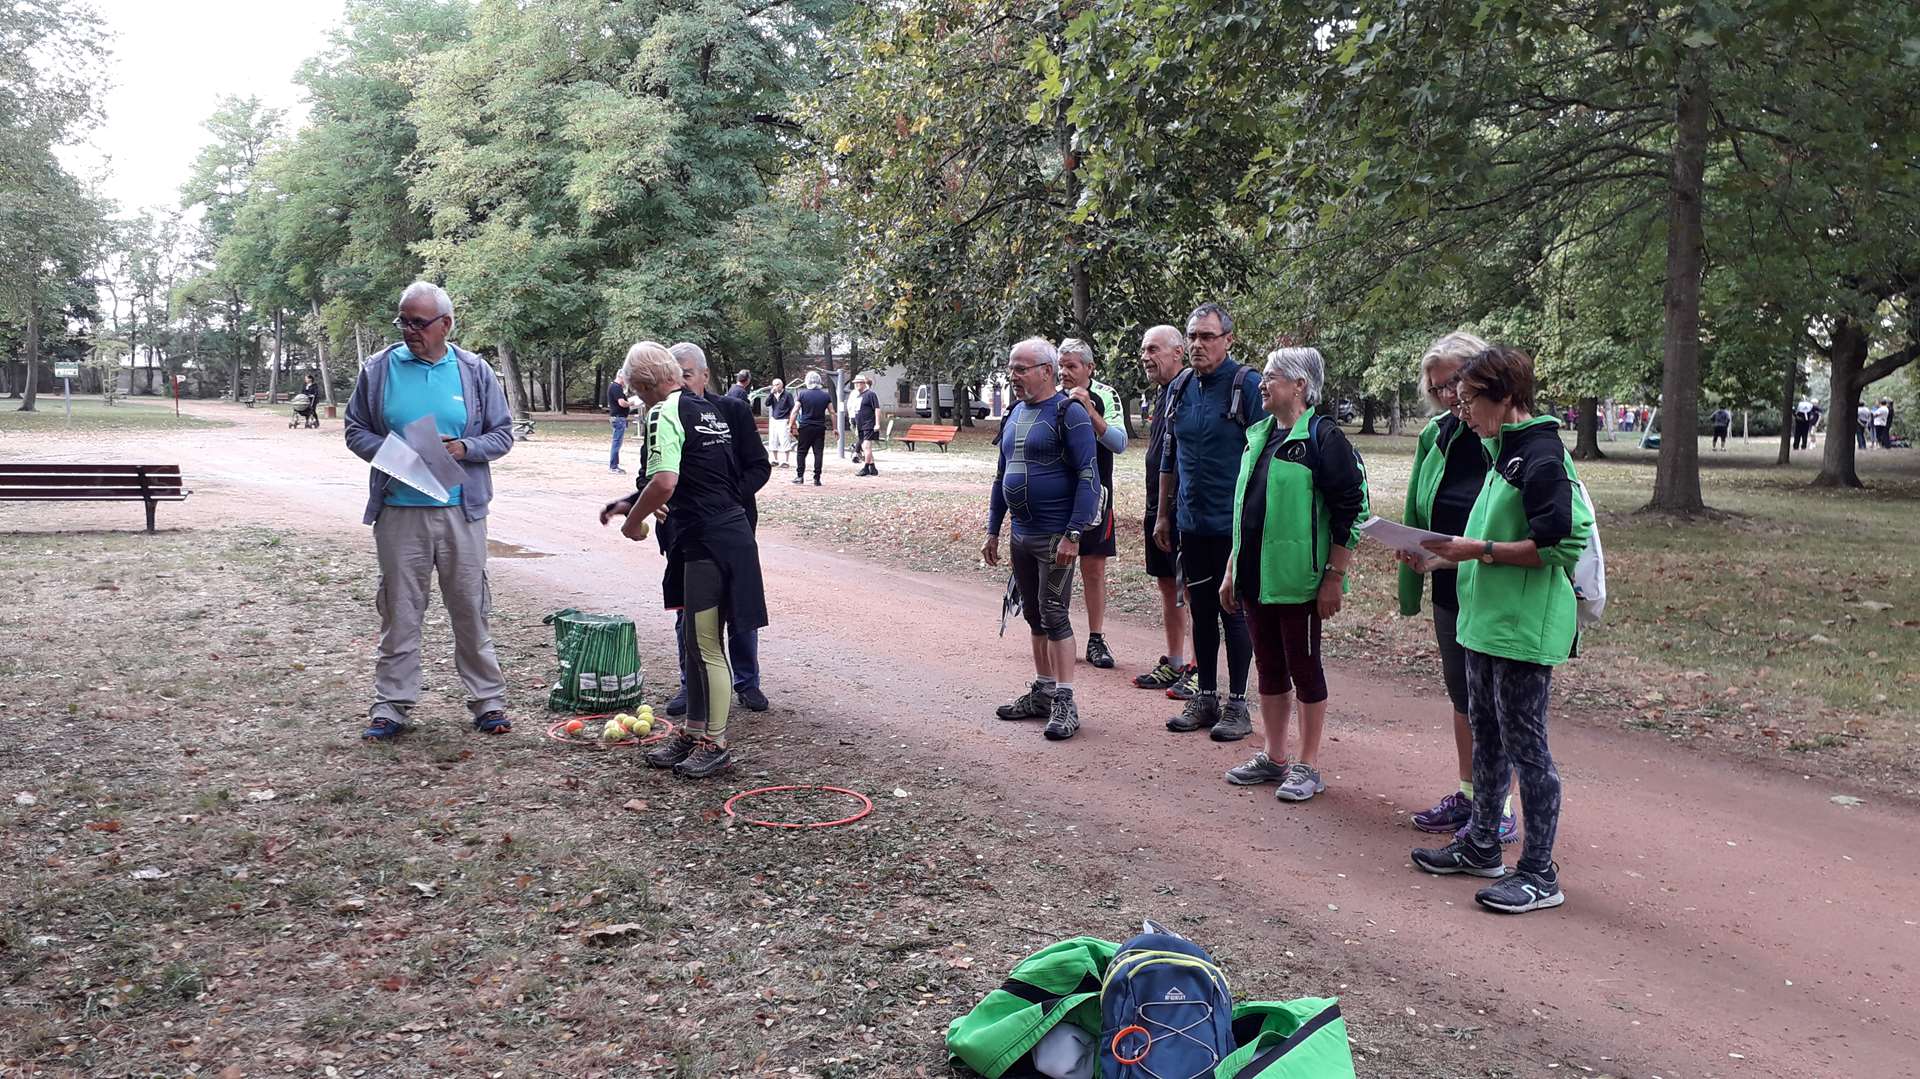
1294,451
1511,471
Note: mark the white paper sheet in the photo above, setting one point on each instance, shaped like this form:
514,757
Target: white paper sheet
424,438
1407,540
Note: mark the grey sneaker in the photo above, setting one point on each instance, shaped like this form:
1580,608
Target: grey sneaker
670,752
1302,783
1033,704
1200,712
1261,769
708,758
1065,721
1234,724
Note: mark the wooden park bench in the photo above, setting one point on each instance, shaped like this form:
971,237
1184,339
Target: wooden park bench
93,483
261,399
929,432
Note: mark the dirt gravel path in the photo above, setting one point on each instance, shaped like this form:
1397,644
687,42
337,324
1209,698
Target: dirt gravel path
1723,919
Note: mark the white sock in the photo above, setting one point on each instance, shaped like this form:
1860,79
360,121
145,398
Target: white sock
1067,687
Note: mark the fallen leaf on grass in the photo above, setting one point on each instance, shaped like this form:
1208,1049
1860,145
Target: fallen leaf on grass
427,891
1846,800
609,934
899,792
103,826
348,906
150,873
24,799
1874,605
261,795
636,805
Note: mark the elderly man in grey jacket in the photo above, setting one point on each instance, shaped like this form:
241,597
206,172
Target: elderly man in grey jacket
419,536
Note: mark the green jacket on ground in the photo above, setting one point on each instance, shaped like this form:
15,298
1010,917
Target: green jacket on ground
1315,495
1048,987
1518,612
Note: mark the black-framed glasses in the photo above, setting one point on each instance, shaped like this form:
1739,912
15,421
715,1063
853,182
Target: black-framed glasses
1205,335
1016,369
416,324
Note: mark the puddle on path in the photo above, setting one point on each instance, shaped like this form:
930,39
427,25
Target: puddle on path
513,550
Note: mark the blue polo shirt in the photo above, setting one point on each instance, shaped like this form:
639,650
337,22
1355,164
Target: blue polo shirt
1204,445
416,388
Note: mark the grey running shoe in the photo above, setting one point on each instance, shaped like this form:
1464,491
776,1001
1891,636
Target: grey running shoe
1098,654
670,752
708,758
1164,674
1033,704
1201,712
1188,687
1523,891
1234,723
1065,721
1302,783
1261,769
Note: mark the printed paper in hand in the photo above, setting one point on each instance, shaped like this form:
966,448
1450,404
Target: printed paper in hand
1406,540
424,438
397,459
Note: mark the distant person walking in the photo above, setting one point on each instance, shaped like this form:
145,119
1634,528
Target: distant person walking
742,390
1518,620
620,406
1163,353
1110,437
779,430
1209,409
812,415
1863,425
1048,481
1802,423
1722,423
1289,568
1883,423
418,537
866,420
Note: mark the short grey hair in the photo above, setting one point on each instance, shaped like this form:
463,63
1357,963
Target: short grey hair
1164,330
648,363
689,353
1298,363
1042,350
813,380
442,303
1456,347
1214,309
1075,346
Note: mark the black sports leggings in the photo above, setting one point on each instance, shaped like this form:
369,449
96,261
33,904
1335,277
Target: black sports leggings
1507,703
1203,559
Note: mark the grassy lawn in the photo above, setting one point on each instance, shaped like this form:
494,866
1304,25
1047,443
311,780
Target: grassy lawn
210,874
1790,627
93,414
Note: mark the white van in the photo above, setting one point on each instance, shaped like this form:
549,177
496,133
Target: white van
923,405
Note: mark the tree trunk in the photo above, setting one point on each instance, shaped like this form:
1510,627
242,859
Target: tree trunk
359,342
273,365
556,385
1849,355
1586,426
1367,409
33,358
777,349
320,349
1790,382
1393,413
516,390
1676,479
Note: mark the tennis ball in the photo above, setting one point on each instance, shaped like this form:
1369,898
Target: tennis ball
643,728
574,726
613,731
646,711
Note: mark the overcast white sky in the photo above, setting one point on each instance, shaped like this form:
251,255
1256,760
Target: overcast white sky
172,60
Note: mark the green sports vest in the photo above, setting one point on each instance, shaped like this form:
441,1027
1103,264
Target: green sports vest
1296,531
1520,612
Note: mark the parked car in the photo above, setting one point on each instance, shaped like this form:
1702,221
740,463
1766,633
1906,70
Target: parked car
1345,411
923,405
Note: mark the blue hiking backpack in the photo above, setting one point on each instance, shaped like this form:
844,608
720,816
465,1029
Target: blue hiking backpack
1166,1011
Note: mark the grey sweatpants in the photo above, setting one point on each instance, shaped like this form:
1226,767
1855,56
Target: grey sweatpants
1507,705
414,544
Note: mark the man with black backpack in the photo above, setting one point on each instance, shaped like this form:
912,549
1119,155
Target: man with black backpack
1209,408
1048,482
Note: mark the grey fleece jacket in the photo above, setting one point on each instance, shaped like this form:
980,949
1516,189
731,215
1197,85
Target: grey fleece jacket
488,435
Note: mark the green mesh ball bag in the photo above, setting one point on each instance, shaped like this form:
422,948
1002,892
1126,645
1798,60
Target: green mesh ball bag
599,662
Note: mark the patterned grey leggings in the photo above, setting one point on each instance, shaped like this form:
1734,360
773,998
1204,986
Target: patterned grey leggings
1507,705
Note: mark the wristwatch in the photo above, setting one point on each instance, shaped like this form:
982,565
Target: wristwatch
1487,554
1073,536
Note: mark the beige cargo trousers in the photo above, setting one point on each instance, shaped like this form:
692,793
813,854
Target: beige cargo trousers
415,544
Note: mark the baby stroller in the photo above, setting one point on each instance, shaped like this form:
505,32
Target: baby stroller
304,408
